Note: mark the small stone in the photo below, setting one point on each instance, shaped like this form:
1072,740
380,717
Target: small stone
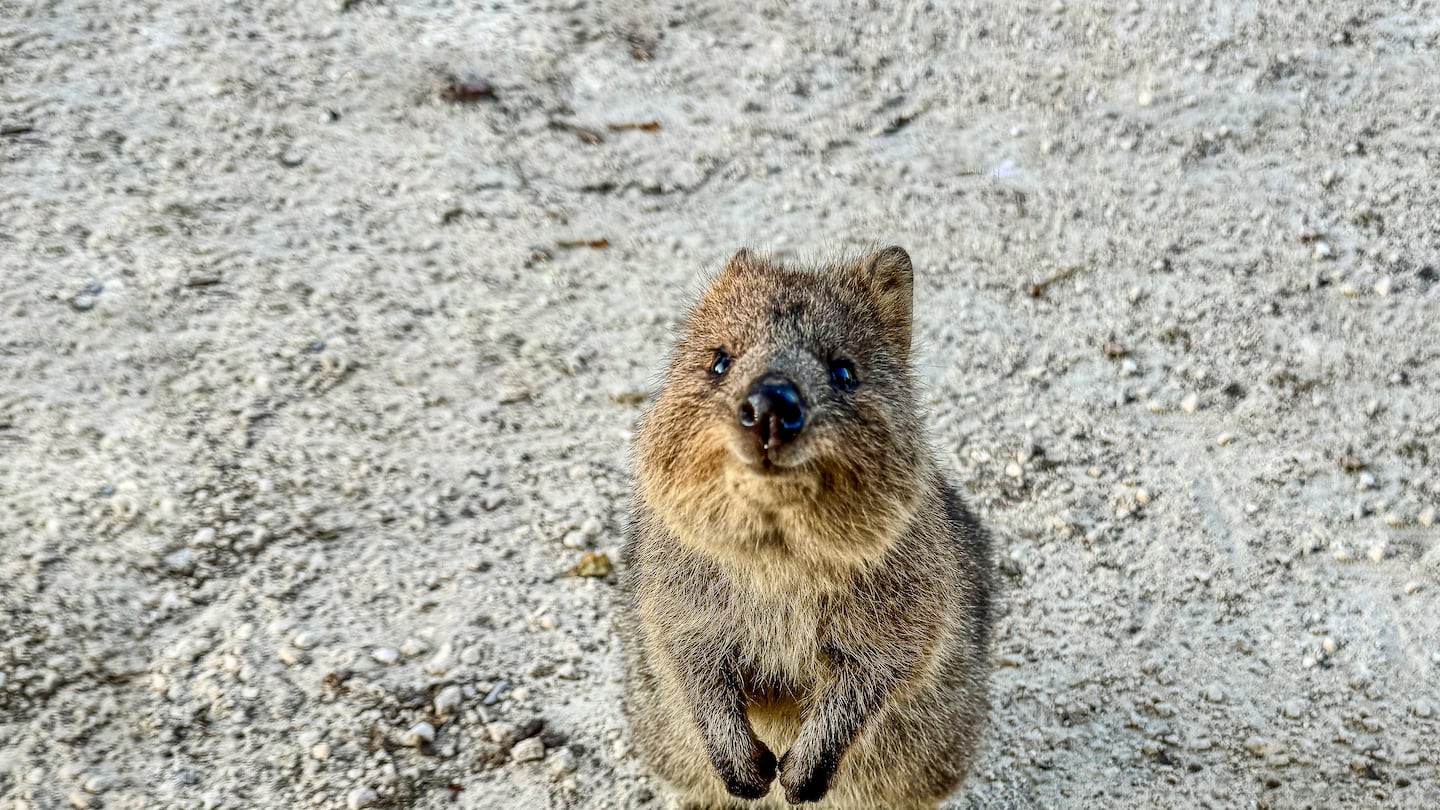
320,751
441,662
1225,439
1214,693
413,647
180,562
99,783
1367,480
592,527
291,657
1426,516
1342,554
1014,470
421,733
361,797
1190,403
567,672
1328,645
502,734
1257,745
1322,250
1129,368
591,564
1383,286
385,655
203,537
291,159
79,800
575,540
306,640
1422,708
1293,709
561,763
1412,587
1142,496
448,700
531,750
1376,553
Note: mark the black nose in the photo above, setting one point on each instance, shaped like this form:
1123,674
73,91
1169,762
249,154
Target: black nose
773,409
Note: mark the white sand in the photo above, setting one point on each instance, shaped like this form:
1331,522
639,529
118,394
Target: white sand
337,396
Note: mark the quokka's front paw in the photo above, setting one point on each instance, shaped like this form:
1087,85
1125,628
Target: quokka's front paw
806,778
749,778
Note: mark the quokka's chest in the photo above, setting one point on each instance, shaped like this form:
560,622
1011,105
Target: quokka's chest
778,640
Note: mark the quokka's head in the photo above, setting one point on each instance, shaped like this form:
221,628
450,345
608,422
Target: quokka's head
788,411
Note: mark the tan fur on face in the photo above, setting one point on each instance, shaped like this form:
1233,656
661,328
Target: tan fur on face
838,507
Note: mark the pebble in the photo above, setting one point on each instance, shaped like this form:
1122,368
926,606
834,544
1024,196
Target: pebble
306,640
561,763
413,647
1422,708
1426,516
1190,403
361,797
528,750
320,751
99,783
1014,470
385,655
1412,587
591,564
418,734
575,539
448,700
441,662
502,734
592,527
1214,693
1257,745
1293,709
1225,439
180,562
203,537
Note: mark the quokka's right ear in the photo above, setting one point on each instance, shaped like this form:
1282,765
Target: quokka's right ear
744,261
891,277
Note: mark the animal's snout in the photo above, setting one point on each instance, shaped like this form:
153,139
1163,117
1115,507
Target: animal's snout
773,410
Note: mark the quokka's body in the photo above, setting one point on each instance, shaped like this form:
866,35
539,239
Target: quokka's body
806,598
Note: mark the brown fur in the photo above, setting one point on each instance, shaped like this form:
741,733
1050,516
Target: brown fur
832,610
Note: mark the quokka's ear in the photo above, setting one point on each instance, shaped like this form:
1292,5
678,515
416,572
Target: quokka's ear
891,279
744,261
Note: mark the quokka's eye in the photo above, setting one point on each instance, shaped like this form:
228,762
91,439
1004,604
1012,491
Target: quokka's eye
842,375
721,363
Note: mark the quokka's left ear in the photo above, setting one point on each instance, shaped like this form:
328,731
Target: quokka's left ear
891,279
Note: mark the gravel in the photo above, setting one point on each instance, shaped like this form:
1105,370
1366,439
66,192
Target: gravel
305,412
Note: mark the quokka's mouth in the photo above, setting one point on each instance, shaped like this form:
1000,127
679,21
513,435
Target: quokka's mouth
771,461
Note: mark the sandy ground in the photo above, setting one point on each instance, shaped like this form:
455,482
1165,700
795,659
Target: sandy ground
313,380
